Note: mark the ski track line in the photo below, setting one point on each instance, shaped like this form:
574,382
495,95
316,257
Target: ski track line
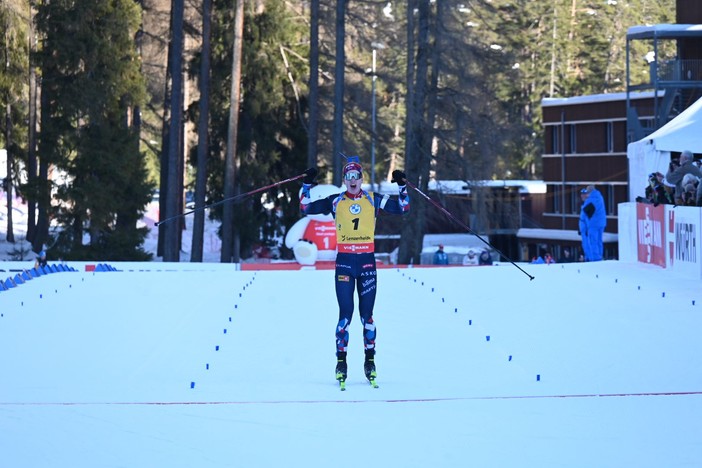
404,400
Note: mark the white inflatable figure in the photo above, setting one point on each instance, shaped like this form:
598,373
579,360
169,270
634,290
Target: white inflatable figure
313,238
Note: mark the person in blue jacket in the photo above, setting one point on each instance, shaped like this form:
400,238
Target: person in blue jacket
593,220
440,257
355,211
41,260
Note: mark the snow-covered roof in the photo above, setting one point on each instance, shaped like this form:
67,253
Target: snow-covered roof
595,98
664,30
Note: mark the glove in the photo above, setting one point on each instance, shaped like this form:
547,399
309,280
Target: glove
310,175
399,177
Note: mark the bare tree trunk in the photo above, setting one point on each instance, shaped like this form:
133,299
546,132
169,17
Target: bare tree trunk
409,79
313,124
171,247
8,180
339,69
415,160
43,186
203,134
163,175
229,253
32,132
8,144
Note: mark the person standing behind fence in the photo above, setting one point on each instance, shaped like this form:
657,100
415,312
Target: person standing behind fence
41,260
593,220
440,257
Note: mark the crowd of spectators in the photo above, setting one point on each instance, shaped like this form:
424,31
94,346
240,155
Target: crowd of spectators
680,185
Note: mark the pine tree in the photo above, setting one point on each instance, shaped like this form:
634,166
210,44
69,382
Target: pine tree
271,142
13,96
91,84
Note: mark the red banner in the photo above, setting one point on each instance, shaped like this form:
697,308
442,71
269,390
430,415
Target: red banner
650,233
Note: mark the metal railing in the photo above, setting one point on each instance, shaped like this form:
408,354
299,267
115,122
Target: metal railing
677,70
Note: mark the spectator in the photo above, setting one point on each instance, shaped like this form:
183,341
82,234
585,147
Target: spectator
593,220
440,257
582,223
538,260
656,191
470,258
566,256
548,258
678,170
690,184
484,258
41,260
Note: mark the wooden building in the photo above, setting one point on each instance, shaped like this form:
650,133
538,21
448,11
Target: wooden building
586,137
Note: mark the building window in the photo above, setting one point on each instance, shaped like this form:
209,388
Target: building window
610,137
555,140
575,200
573,139
557,190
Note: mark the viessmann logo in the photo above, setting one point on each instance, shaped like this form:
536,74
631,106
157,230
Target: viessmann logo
650,233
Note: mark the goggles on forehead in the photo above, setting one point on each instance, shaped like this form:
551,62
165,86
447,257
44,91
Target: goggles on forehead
352,175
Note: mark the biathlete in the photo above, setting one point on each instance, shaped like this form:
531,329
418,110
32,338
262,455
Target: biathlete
355,211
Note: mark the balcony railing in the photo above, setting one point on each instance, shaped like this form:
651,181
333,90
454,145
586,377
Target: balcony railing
677,70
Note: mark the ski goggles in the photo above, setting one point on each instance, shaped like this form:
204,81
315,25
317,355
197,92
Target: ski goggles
352,175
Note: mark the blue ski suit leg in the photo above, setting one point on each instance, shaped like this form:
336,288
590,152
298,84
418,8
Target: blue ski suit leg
355,273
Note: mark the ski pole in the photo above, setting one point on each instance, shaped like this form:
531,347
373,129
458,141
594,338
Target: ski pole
466,227
231,199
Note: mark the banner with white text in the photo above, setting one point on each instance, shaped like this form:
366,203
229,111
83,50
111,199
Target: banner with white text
650,233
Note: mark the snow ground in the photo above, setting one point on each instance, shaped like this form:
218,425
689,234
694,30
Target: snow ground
588,365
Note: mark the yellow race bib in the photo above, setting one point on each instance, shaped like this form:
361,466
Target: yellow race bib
355,225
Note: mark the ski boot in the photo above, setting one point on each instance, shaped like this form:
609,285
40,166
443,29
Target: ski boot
341,369
369,367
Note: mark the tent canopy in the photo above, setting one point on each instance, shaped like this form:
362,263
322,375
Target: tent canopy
652,154
681,133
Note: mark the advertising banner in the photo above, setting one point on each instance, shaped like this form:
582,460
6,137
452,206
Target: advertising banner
683,238
650,233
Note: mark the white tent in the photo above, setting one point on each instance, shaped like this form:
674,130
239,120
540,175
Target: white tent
652,153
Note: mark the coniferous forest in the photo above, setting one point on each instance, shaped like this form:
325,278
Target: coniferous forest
106,102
